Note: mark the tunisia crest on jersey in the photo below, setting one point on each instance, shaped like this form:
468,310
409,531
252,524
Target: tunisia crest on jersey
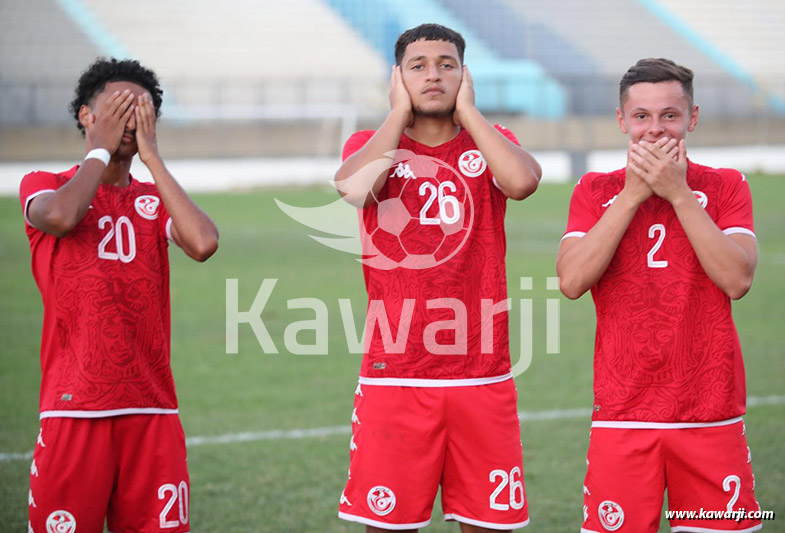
147,206
472,163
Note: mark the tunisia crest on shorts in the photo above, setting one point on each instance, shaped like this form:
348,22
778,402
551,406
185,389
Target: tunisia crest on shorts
61,522
381,500
472,163
611,515
147,206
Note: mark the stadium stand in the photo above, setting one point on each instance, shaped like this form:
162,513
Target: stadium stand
512,85
245,41
265,78
746,38
40,52
610,36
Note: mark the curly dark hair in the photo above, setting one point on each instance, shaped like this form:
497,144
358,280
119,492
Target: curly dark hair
102,71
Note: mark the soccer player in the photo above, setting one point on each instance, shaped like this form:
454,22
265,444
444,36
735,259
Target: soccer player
439,406
664,245
111,446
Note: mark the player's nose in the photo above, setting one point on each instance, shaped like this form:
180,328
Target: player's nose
433,73
656,126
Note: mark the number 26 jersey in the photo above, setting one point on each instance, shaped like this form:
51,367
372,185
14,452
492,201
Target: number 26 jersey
434,263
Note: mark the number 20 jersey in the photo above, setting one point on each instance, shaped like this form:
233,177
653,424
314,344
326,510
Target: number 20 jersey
105,290
470,268
666,347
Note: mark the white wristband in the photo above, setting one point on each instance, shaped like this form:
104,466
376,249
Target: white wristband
99,153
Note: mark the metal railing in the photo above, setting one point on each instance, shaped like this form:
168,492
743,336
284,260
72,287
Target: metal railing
46,102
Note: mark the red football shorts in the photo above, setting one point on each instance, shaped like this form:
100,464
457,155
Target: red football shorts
406,441
705,468
130,470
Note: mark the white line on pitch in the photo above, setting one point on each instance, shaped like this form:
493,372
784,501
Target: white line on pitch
279,434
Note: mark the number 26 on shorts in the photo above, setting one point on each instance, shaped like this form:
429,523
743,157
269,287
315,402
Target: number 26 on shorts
515,491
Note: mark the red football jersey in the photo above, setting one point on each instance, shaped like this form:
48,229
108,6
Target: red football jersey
434,248
666,348
105,289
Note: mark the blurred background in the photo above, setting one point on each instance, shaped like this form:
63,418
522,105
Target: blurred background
259,98
271,79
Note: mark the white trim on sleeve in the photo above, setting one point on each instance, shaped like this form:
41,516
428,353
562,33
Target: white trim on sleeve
169,229
573,234
433,383
488,525
27,203
109,412
382,525
623,424
738,229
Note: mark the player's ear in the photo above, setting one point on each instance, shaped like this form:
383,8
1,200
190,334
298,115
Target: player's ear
620,120
84,115
693,119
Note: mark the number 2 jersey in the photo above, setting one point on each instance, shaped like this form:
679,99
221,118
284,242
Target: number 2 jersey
434,249
666,348
105,290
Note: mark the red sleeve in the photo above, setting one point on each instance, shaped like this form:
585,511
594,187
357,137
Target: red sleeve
583,215
507,133
735,215
355,142
34,184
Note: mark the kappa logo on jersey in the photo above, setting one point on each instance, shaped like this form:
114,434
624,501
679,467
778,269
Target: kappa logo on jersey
381,500
61,522
403,170
611,515
147,206
610,202
472,163
702,198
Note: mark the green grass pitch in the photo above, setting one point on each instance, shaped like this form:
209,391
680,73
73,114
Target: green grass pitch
294,485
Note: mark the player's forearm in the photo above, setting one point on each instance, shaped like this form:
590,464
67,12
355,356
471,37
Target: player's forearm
582,261
729,264
517,173
192,229
59,213
362,176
